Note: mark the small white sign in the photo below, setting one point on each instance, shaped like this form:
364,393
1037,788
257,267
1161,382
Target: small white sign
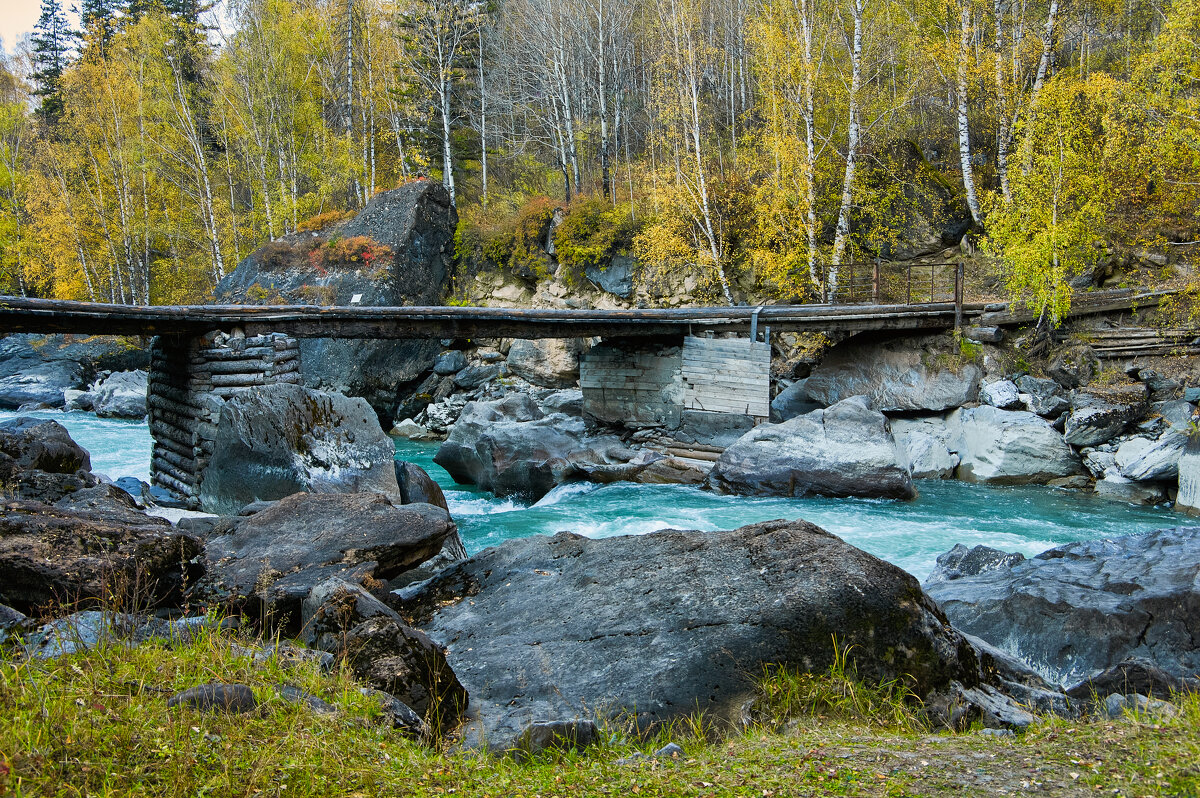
354,300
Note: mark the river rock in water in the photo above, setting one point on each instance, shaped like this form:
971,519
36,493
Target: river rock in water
281,439
1009,447
37,369
40,462
273,559
1076,610
512,448
557,631
897,374
844,450
120,395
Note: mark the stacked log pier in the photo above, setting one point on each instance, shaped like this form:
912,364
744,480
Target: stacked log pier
189,380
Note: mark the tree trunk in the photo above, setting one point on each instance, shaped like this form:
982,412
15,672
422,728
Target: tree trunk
842,233
964,131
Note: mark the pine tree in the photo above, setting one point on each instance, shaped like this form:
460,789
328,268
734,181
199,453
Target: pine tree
99,19
51,54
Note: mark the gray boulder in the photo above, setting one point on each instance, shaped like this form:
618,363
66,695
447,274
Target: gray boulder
37,369
1042,396
1002,394
1142,459
1098,415
844,450
449,363
271,561
512,448
792,401
615,278
417,487
333,608
564,629
281,439
1074,366
927,441
120,395
1118,488
1009,447
1188,498
473,376
961,561
1079,609
898,374
13,624
548,362
40,462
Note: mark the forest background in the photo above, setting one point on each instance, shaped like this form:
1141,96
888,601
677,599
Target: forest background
745,142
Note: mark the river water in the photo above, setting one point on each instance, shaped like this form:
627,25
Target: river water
910,534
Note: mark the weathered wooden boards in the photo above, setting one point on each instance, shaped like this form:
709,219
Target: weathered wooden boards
19,314
727,375
1129,342
633,381
189,378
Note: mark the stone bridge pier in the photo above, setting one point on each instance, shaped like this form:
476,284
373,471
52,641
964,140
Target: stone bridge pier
652,382
190,377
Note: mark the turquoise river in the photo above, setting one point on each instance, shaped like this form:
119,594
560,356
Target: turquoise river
910,534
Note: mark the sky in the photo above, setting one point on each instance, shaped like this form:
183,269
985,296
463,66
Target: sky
17,17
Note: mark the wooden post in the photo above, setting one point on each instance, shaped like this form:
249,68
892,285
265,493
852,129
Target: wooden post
875,284
959,271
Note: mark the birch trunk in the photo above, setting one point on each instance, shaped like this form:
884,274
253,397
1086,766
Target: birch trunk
842,232
964,130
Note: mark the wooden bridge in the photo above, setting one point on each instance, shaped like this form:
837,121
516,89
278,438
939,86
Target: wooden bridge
655,365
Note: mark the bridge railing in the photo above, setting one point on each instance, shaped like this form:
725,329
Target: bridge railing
879,283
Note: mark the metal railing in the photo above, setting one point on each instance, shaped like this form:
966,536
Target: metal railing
879,283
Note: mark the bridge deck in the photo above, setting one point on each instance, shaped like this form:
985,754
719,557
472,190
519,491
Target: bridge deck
18,314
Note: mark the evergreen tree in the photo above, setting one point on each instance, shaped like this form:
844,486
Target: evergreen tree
51,54
99,19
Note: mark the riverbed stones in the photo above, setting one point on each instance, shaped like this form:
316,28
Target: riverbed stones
277,440
1008,447
449,363
417,487
844,450
1076,610
658,626
512,448
105,549
271,561
899,374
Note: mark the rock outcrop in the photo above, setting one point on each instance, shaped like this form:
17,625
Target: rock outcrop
926,439
548,362
121,394
416,222
37,369
281,439
1008,447
903,374
553,632
512,448
268,564
844,450
1079,609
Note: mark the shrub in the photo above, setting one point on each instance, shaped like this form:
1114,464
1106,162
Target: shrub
356,250
323,220
590,234
514,243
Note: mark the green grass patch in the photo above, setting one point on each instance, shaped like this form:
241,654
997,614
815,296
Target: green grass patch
97,724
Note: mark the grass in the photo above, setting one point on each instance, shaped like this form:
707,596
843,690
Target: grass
97,723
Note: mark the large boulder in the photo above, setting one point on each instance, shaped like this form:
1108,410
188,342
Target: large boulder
417,223
897,374
1079,609
1042,396
281,439
551,632
844,450
1188,498
926,439
1099,414
94,547
120,395
271,561
512,448
1008,447
417,487
1144,458
549,362
39,461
